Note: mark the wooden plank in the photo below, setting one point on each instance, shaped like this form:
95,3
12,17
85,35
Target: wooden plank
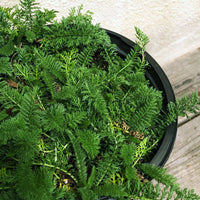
184,120
184,162
184,73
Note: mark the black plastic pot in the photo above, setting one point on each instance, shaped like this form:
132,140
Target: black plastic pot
158,80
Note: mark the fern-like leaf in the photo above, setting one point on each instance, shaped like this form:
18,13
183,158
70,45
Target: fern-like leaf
26,144
34,184
110,190
50,83
10,129
9,97
90,142
80,160
127,153
141,151
87,194
28,110
91,178
85,57
147,108
27,11
7,49
130,173
105,168
159,174
182,107
5,67
75,118
53,118
185,105
92,95
66,93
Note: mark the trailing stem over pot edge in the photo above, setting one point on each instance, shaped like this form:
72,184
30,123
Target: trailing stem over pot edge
77,120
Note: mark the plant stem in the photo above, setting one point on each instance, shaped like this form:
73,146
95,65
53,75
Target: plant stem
58,168
4,188
41,106
123,68
151,147
48,136
52,166
126,95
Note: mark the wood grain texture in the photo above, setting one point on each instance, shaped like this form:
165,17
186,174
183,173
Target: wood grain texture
184,73
184,162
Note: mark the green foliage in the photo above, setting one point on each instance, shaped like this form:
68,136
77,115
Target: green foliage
142,149
71,109
142,41
26,145
185,105
87,194
105,168
182,107
28,7
110,190
30,36
39,181
9,96
130,173
5,66
10,128
7,49
28,110
127,153
158,174
90,142
80,156
53,118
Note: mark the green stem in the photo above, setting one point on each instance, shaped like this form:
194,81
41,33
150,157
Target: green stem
151,147
146,150
41,104
58,168
12,100
48,136
123,68
52,166
5,188
22,73
126,95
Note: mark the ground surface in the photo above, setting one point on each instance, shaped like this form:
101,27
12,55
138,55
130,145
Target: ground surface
184,162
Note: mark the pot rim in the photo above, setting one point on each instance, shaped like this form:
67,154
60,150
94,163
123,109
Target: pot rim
160,81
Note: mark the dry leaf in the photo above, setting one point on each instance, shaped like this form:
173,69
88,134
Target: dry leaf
12,83
57,88
137,134
125,126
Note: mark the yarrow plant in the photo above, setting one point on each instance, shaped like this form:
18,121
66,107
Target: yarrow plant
77,121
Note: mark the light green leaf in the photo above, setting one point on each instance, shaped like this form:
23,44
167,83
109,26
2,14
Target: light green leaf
30,36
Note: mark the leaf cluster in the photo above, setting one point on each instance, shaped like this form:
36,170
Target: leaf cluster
70,108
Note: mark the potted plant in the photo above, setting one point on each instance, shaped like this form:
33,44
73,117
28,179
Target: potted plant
79,117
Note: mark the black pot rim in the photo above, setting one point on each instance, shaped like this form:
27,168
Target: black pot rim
160,81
